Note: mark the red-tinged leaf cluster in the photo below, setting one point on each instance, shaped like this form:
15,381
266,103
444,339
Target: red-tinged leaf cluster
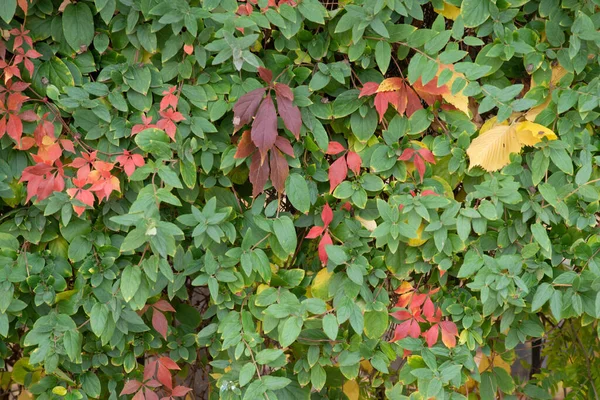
262,141
323,232
405,98
159,321
419,157
248,7
94,178
338,170
157,378
418,308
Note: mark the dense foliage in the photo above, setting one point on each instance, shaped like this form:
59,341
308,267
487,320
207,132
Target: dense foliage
338,199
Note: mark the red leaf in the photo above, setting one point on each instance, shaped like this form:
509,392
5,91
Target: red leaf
284,145
163,305
181,391
449,333
259,174
292,119
369,89
159,322
414,102
188,49
14,127
431,336
419,165
284,91
131,387
407,328
150,395
150,370
170,364
164,376
325,241
427,155
354,162
139,395
381,105
245,146
246,106
406,155
265,74
315,232
428,309
334,148
337,173
279,170
264,128
327,215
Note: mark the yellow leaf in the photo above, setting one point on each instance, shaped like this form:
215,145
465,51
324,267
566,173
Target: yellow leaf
418,241
489,124
558,73
491,151
351,389
492,148
530,133
458,100
59,390
366,365
448,11
390,85
369,225
320,284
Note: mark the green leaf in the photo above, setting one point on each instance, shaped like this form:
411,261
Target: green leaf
130,281
154,141
98,318
313,11
267,356
246,374
337,255
383,53
72,341
475,12
471,264
318,376
285,232
376,323
79,248
138,77
541,236
297,192
290,330
78,26
330,326
542,295
7,9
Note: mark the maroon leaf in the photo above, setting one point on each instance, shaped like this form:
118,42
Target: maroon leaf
264,128
337,173
420,166
246,106
414,102
131,387
284,145
354,162
265,74
279,170
163,305
259,174
282,90
290,114
334,148
159,322
245,146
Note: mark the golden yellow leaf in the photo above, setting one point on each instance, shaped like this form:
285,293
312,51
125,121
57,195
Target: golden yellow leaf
448,11
418,241
390,85
366,365
352,390
458,100
530,133
491,149
25,395
558,73
489,124
534,112
320,284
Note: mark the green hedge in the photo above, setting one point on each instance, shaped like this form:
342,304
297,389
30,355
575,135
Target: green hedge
340,199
